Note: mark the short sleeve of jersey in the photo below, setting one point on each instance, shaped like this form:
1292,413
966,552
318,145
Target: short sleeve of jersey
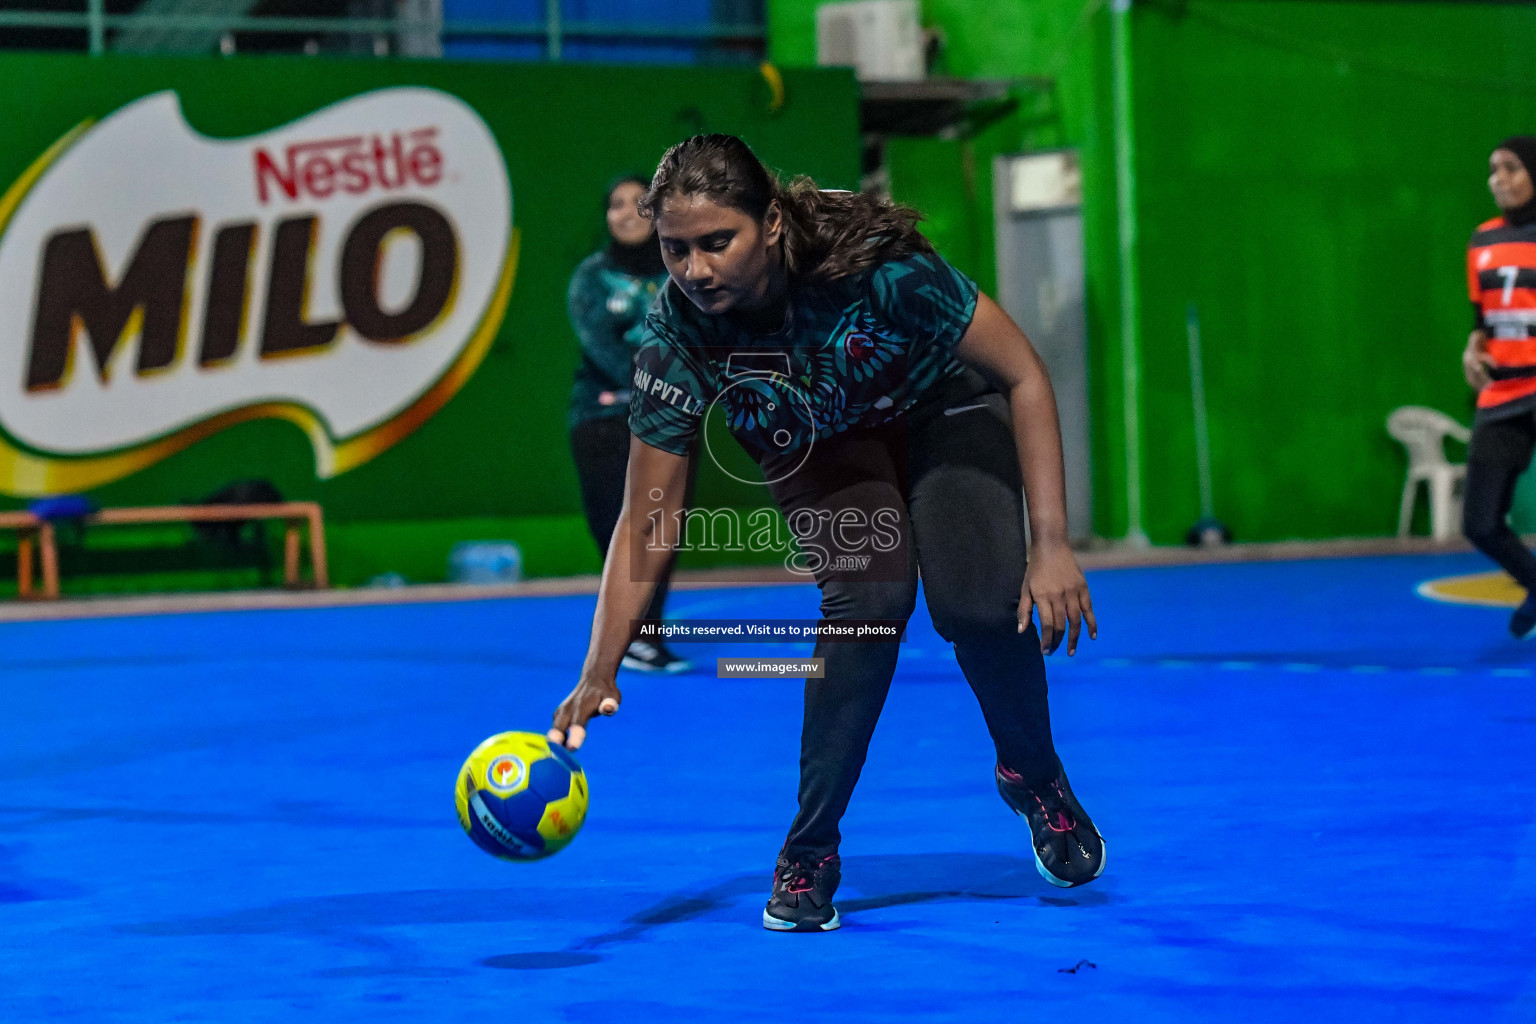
927,300
1474,288
670,388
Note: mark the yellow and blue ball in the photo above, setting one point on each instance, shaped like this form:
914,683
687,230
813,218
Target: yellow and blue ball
520,797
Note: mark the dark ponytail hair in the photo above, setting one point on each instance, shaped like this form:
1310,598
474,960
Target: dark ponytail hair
827,235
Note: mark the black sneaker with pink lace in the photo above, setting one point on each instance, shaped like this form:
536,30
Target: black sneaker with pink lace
803,886
1068,848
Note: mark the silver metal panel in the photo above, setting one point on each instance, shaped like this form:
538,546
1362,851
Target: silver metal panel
1040,285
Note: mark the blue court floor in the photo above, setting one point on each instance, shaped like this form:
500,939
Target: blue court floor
1318,790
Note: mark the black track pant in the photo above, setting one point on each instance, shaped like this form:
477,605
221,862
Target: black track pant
1499,453
601,450
947,476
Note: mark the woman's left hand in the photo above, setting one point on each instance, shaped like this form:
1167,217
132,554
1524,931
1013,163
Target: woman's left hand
1054,584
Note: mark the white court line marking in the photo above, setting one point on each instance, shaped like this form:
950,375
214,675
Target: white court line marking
1305,666
1309,666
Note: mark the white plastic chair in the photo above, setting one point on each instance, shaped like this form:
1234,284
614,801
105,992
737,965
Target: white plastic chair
1423,432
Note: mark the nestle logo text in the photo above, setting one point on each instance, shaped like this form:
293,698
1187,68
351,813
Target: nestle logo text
352,164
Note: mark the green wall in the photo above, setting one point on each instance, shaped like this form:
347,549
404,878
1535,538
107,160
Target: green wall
1307,175
495,461
950,181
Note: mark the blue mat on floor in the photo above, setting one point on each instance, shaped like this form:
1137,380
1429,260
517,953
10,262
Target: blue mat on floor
1316,787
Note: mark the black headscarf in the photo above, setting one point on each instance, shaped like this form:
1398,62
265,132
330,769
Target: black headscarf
643,260
1524,148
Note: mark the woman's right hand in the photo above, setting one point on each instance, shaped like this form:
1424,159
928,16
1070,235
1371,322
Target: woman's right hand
591,697
1475,361
655,490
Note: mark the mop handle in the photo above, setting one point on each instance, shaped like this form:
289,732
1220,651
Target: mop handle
1197,394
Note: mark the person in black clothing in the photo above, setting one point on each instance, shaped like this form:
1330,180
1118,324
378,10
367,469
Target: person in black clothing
608,298
904,413
1500,362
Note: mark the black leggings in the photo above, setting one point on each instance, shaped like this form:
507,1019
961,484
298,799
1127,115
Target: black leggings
951,483
1499,453
601,450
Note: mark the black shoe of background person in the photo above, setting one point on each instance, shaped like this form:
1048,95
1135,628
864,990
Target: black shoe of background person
802,894
644,656
1522,624
1068,848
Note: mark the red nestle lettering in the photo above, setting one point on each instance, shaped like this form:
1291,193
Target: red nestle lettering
352,164
319,177
427,165
266,168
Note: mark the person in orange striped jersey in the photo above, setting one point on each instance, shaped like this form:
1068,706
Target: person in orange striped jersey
1500,363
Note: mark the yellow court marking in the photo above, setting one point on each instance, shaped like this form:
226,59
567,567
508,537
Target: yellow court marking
1493,589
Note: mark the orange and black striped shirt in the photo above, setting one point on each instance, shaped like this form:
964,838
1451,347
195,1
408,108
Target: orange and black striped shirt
1501,281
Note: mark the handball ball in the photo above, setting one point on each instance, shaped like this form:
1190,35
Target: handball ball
521,797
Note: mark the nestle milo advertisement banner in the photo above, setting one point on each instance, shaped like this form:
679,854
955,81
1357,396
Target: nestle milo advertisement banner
347,278
339,272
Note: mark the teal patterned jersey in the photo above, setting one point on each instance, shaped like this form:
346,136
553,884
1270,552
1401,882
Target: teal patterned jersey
607,308
858,351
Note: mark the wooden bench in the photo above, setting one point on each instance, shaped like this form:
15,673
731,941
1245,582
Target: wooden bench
39,534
